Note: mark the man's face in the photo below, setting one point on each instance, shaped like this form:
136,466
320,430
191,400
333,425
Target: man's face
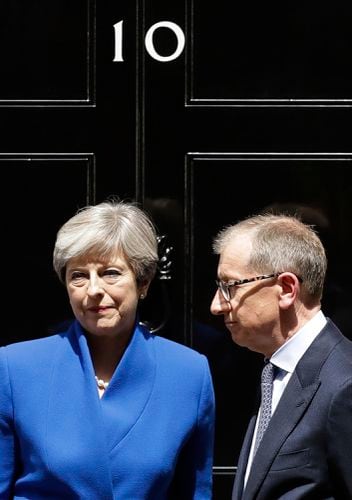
252,315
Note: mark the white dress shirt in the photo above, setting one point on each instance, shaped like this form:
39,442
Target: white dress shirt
286,359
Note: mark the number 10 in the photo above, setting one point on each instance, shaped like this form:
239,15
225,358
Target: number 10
148,41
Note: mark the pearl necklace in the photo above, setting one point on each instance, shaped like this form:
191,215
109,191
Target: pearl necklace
101,384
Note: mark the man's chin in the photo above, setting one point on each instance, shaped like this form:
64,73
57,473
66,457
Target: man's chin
236,335
240,338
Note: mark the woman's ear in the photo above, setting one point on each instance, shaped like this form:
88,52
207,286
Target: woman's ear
143,289
289,284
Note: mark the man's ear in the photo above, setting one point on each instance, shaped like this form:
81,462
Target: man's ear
289,284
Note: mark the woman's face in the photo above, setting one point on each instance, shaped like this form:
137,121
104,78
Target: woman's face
103,295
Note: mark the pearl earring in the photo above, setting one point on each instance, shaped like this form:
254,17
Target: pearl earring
142,296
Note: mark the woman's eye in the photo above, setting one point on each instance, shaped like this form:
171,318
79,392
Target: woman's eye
112,272
111,275
77,276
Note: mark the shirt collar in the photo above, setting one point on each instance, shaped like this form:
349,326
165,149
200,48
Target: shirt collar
288,355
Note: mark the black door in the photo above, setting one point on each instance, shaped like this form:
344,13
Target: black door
67,125
203,112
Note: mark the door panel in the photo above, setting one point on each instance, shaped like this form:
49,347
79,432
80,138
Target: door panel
256,54
316,187
47,53
40,191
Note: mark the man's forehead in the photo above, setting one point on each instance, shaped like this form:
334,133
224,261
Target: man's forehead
234,258
239,245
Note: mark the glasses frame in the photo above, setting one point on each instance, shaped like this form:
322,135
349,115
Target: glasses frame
225,286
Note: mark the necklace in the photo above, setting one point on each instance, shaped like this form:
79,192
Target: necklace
101,384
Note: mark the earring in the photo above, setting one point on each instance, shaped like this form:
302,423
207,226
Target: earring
142,296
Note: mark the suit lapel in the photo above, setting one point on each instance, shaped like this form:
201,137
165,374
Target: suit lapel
242,461
293,404
130,387
296,398
75,426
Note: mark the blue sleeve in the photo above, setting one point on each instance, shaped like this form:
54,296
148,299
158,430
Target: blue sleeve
193,479
7,439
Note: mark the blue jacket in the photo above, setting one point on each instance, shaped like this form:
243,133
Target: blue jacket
151,433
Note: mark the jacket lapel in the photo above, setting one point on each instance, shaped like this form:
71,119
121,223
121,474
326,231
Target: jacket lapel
130,388
296,398
293,404
75,426
242,461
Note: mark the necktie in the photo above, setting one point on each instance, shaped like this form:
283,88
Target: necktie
266,396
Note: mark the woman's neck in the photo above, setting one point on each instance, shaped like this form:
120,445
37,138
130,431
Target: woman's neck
106,353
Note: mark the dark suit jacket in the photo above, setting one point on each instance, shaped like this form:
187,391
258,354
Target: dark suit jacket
306,452
152,428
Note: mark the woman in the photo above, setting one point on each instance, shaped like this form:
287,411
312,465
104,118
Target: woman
105,410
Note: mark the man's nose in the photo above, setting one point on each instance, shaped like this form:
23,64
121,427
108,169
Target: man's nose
219,305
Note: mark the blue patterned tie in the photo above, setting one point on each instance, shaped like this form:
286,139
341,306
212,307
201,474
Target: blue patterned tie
265,412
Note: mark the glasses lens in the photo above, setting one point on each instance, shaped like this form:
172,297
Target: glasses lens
225,291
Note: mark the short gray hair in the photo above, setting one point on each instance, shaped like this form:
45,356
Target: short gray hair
104,229
281,243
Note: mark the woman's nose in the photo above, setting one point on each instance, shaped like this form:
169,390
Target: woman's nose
219,305
95,286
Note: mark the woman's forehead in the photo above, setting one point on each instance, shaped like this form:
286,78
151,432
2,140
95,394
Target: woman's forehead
95,257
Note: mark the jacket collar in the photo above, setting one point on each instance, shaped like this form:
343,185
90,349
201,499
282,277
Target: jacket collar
93,426
297,396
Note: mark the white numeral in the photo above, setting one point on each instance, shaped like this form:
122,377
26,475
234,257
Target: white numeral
149,42
118,41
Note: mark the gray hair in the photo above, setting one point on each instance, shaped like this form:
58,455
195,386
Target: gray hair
104,229
281,243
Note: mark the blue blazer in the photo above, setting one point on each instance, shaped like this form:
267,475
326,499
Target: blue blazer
306,451
149,437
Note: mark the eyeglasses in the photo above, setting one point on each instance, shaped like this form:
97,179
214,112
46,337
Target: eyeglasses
225,287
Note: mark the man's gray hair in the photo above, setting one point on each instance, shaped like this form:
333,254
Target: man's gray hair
281,243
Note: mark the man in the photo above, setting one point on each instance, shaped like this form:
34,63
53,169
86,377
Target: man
270,279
